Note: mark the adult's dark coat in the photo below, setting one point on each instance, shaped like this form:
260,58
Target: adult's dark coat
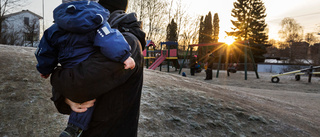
118,91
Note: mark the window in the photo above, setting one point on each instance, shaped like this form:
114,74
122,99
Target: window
26,20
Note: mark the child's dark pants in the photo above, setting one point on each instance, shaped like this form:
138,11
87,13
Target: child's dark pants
81,120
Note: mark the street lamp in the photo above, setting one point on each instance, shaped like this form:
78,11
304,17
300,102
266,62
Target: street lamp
43,15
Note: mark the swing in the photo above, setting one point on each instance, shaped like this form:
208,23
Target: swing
232,68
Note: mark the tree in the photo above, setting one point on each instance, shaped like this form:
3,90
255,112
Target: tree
310,38
208,28
153,14
216,27
250,21
31,33
291,31
257,26
205,34
156,11
201,30
250,25
241,13
12,37
189,33
180,13
6,6
172,31
138,6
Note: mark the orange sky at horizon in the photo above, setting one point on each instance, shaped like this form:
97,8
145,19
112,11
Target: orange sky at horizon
306,13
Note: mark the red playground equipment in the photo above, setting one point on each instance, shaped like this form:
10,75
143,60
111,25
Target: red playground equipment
170,54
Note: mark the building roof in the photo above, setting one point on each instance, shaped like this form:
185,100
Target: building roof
23,11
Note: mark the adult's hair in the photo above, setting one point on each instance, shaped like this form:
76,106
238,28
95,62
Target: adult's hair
66,1
113,5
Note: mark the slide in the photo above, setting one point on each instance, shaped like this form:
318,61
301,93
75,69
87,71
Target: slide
157,62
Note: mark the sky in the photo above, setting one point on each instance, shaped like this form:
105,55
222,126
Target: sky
305,12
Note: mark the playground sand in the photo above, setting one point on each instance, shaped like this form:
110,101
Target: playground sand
171,105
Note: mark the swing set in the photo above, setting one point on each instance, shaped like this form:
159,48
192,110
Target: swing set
228,51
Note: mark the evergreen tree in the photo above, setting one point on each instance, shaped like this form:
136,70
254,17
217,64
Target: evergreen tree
240,12
172,34
216,27
201,31
250,25
250,21
208,28
205,34
257,25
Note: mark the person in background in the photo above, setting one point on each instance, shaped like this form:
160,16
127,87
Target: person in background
193,63
209,66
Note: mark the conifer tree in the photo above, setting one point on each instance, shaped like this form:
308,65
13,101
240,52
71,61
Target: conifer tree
250,21
201,30
172,34
208,28
216,27
250,25
205,34
240,12
257,25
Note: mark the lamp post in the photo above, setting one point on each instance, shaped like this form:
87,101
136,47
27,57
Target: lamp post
43,15
318,52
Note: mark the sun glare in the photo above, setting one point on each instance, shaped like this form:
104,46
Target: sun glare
228,40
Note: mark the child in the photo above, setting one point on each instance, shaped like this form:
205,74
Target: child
80,30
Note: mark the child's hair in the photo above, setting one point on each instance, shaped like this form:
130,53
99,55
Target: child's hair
66,1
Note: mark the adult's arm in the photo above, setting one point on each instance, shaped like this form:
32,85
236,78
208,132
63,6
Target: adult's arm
96,75
64,105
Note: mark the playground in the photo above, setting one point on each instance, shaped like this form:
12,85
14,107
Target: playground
171,105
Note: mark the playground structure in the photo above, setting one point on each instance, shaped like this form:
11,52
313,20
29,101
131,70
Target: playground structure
298,73
149,54
157,57
224,49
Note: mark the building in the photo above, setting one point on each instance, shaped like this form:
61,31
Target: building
315,53
297,53
21,28
300,55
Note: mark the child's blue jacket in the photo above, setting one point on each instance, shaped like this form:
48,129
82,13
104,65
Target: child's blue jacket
80,29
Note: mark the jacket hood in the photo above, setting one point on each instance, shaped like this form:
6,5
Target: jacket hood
127,23
80,16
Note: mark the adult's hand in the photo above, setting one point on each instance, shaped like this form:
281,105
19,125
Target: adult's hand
80,107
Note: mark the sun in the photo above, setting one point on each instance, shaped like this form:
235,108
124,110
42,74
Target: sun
228,40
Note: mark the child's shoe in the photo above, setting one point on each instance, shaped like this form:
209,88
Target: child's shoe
71,131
